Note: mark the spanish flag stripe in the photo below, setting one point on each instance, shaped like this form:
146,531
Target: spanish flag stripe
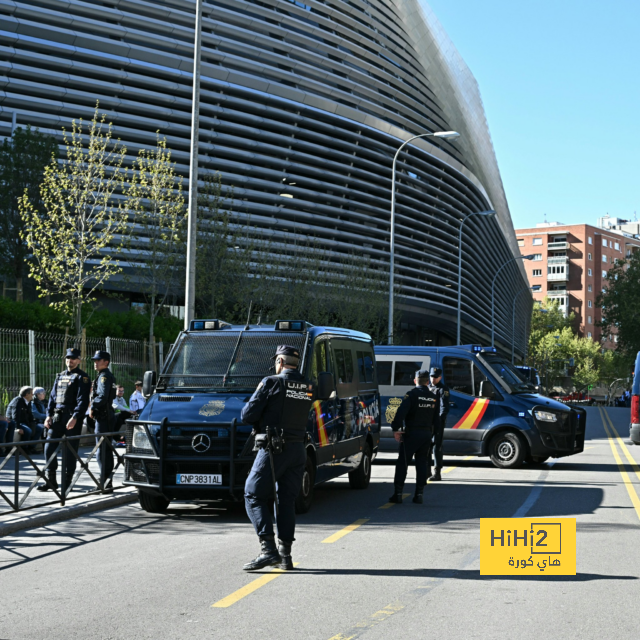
471,419
322,432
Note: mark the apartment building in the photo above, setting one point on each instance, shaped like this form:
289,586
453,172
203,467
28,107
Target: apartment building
570,265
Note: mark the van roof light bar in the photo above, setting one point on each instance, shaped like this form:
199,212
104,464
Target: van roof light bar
290,325
208,325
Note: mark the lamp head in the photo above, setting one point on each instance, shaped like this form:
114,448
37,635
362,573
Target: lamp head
447,135
531,256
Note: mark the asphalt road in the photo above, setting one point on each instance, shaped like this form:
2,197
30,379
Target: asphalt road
408,571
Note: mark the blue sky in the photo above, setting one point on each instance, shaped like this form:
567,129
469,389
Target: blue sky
560,81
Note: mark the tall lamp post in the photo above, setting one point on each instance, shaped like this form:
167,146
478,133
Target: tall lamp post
485,214
513,321
192,218
447,135
493,297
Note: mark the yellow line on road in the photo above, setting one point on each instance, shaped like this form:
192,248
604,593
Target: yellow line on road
623,446
250,588
625,476
343,532
375,619
388,505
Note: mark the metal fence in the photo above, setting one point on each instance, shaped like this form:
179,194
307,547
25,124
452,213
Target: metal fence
33,358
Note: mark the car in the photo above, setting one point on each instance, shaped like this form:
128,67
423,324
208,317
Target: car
492,411
634,424
189,442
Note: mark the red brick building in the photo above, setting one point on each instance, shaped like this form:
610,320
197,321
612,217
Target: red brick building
571,264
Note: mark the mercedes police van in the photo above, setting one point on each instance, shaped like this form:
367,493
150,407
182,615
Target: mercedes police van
492,411
189,443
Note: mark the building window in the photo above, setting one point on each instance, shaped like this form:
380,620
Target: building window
589,272
521,242
604,258
589,304
589,320
537,256
617,246
589,288
537,242
604,242
589,334
589,256
537,272
590,240
604,274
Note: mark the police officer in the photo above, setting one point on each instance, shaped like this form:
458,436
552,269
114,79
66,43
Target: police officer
65,412
419,415
435,376
279,408
101,410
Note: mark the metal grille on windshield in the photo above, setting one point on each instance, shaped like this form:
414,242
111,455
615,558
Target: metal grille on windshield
213,359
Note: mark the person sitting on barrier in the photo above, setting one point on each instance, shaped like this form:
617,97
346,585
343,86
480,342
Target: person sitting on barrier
38,407
68,403
21,419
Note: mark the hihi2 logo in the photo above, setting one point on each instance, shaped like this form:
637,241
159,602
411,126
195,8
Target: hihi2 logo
524,546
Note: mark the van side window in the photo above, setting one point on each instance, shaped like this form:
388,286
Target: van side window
344,365
320,362
478,377
384,372
405,372
457,375
365,366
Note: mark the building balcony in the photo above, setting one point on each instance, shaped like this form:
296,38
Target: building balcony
558,270
557,246
562,297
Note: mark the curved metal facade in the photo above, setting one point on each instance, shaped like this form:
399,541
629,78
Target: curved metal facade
303,104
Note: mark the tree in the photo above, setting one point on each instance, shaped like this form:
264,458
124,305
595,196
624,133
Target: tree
22,161
620,303
71,236
585,375
155,201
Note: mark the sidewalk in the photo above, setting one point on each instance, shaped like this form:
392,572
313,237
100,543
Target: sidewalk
36,510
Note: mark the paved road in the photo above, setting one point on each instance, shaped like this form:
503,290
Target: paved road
409,571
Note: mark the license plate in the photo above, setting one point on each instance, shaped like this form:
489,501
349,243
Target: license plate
198,478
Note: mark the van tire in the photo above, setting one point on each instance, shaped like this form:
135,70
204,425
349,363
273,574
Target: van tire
507,450
151,503
359,478
305,496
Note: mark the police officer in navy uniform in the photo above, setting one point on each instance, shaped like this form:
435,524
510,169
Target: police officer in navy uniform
279,407
65,412
419,416
435,376
101,410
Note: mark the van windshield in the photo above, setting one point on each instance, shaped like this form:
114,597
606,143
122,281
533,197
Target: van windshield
508,373
229,360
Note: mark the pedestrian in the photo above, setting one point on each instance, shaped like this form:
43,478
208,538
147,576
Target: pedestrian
435,377
137,400
65,412
416,420
120,408
20,418
103,393
38,406
279,410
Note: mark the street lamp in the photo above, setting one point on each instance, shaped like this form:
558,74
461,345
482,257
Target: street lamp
493,299
513,324
485,214
192,216
446,135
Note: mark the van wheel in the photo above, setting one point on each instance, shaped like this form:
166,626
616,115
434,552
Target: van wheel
151,503
305,497
507,450
359,478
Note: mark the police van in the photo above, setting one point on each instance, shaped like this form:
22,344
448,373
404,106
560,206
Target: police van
189,443
492,410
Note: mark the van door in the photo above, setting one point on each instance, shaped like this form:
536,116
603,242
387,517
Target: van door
468,412
323,414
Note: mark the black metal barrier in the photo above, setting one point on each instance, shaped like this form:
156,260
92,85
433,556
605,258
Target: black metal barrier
18,450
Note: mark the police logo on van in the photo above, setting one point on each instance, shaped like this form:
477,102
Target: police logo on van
392,409
212,408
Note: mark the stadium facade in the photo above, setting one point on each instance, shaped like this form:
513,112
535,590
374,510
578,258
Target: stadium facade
303,105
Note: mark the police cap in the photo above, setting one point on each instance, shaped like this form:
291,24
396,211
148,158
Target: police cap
101,355
73,353
286,350
435,372
422,373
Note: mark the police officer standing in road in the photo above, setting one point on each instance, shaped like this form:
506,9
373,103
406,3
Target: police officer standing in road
101,410
65,412
418,415
279,410
435,376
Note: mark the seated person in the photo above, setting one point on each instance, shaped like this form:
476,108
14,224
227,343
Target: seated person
21,419
120,407
38,405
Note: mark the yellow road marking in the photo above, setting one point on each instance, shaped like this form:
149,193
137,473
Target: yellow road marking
625,476
343,532
623,446
250,588
388,505
375,619
450,469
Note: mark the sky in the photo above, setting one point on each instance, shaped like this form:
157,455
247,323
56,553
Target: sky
560,82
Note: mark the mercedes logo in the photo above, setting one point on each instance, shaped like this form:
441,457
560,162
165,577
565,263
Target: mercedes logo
201,443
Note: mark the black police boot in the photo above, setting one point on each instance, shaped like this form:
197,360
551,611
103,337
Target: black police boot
284,548
268,557
436,476
418,499
52,484
396,498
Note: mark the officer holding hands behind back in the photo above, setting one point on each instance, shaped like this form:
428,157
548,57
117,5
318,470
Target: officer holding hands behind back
435,378
65,412
417,418
101,410
279,410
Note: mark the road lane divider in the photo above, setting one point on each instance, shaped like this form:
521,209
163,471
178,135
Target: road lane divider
623,446
372,621
343,532
388,505
635,500
249,588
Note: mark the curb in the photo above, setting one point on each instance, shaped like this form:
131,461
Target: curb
67,513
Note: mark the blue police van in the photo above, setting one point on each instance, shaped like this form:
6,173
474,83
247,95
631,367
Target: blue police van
492,410
189,443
